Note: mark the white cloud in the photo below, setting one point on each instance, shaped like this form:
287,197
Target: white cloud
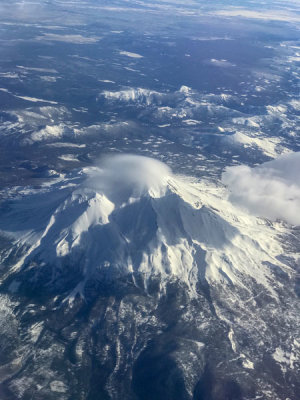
269,15
271,190
123,176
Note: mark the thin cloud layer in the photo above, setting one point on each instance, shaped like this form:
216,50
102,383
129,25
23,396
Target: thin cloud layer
271,190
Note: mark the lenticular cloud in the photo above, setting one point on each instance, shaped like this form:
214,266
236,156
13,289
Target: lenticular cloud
126,175
271,190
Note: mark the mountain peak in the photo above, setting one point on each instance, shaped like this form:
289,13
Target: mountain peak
133,216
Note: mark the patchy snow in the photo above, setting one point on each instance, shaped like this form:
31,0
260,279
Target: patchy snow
270,146
58,387
248,364
133,94
49,132
106,81
221,63
46,78
232,340
35,331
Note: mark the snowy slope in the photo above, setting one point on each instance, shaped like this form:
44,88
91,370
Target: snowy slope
131,215
122,269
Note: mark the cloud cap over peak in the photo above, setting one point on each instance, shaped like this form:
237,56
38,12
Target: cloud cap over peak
126,175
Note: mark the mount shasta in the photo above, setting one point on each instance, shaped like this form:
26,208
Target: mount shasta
127,281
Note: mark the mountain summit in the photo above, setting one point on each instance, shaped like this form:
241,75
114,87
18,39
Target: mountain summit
131,215
128,268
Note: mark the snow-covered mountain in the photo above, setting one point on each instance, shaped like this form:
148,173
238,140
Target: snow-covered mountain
103,263
132,216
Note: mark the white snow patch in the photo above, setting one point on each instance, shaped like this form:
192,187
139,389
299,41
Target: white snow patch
191,122
106,81
248,364
76,39
267,145
35,69
58,387
133,94
49,132
46,78
35,331
68,157
232,340
66,144
130,54
9,75
221,63
27,98
164,125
